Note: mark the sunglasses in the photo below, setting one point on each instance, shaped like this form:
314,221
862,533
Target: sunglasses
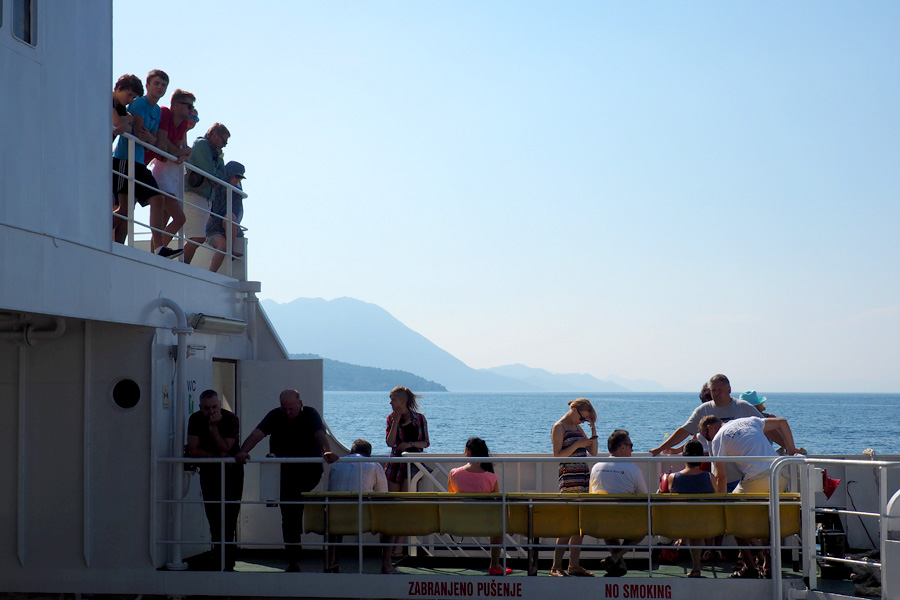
195,118
188,104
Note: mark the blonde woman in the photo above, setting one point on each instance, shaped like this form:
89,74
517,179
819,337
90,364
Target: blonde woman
407,431
574,478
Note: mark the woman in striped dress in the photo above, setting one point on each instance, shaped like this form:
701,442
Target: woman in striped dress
574,478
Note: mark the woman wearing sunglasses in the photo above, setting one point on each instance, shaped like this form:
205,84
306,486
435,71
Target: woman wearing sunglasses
574,478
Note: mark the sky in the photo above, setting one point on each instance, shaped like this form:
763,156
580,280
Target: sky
656,190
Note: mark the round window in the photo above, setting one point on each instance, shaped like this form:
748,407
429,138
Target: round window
126,393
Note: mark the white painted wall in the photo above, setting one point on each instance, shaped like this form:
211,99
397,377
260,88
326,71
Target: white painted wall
55,123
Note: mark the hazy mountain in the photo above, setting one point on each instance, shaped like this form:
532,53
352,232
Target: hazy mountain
360,333
343,377
346,330
557,382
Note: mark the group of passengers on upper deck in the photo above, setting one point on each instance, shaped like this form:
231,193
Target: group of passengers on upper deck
193,202
720,426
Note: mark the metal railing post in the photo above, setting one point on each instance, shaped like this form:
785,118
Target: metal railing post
131,176
229,232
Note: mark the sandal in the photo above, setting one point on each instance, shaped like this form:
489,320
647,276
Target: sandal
695,573
579,571
554,572
745,573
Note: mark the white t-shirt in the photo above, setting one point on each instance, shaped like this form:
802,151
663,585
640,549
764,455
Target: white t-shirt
736,409
617,478
743,437
345,477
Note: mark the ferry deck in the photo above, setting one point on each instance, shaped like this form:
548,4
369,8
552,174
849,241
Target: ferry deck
104,348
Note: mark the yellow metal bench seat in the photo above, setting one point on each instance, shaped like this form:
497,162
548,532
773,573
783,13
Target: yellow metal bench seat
472,515
614,516
406,513
343,513
553,515
704,517
749,517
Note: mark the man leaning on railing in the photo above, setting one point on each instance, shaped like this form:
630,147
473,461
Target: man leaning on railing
215,226
145,112
206,154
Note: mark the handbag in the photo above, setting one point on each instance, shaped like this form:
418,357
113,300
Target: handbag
195,179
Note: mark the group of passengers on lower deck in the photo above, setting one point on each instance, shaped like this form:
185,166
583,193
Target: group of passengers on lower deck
298,431
192,204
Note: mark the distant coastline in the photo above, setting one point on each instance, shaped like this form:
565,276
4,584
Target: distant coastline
345,377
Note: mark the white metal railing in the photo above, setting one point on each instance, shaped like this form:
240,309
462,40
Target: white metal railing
811,482
419,459
228,223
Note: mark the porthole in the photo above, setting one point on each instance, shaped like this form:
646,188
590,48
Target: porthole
126,394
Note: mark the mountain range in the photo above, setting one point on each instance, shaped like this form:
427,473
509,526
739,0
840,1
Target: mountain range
360,333
344,377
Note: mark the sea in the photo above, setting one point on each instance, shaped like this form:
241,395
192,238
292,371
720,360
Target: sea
521,422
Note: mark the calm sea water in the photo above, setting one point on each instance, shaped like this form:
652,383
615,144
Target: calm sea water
520,422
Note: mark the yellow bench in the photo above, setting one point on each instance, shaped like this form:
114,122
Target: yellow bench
614,516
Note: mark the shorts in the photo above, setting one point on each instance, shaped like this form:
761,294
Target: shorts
142,175
759,483
195,216
169,176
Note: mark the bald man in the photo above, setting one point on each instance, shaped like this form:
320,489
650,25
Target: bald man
297,431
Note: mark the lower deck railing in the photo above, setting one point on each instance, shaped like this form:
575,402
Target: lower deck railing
530,522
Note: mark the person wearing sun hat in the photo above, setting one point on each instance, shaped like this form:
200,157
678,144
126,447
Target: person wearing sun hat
759,402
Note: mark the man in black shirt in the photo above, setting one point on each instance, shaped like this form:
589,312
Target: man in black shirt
296,431
213,433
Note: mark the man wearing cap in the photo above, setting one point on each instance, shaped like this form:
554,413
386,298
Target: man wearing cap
722,406
215,226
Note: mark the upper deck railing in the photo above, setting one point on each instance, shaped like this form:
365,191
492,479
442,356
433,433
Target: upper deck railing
230,256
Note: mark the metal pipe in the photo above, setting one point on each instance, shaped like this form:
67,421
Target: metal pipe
252,303
181,330
22,463
30,335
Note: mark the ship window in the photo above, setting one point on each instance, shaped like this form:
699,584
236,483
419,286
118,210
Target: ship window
25,21
126,393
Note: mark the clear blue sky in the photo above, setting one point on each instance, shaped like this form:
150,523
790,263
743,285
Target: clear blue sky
658,190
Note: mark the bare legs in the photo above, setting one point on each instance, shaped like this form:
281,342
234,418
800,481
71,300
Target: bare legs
574,544
162,209
190,247
403,486
120,223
